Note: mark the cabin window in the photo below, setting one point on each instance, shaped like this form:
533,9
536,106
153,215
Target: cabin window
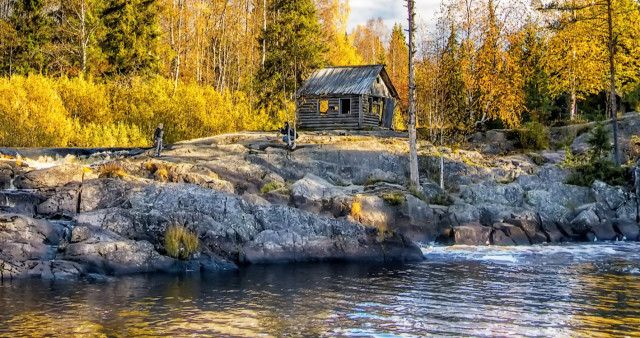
370,105
323,107
345,106
378,80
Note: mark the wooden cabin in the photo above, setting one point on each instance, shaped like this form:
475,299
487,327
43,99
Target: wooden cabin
355,97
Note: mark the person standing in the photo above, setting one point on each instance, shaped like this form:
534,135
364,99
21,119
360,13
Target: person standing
158,136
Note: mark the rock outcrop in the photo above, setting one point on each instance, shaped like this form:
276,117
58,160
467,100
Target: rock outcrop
248,200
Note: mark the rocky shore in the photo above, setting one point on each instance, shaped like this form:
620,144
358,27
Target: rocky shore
340,196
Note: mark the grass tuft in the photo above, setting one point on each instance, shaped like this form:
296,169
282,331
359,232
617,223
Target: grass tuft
179,242
394,199
271,186
112,170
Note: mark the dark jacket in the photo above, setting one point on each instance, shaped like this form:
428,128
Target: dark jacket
287,130
159,134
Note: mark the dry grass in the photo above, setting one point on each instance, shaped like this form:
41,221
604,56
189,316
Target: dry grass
356,209
180,242
112,170
162,175
393,199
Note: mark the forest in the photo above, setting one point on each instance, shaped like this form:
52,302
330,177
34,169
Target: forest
89,73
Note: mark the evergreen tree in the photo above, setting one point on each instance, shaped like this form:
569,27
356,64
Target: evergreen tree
537,97
293,49
452,82
397,66
34,27
131,42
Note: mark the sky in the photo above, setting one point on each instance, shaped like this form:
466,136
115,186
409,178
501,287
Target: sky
391,11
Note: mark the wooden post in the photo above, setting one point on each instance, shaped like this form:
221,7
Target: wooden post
413,149
360,116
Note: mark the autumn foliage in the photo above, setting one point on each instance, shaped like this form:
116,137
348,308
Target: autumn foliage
39,111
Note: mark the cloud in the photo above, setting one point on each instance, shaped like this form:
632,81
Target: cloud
391,11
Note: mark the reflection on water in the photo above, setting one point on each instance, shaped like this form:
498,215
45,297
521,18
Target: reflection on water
572,290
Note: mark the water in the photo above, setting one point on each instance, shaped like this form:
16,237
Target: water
574,290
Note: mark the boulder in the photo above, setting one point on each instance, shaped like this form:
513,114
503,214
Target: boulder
552,174
50,177
604,231
314,194
629,210
493,213
530,182
553,233
470,234
8,171
193,174
60,201
508,234
587,217
255,199
531,228
554,157
558,201
103,251
461,213
19,202
611,197
105,193
493,193
24,241
378,175
629,230
430,189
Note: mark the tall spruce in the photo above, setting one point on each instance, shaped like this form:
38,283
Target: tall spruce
132,36
34,26
293,49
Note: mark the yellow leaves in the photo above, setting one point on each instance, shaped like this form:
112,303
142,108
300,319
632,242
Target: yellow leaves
36,111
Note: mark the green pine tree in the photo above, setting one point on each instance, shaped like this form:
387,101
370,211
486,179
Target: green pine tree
34,27
294,49
131,42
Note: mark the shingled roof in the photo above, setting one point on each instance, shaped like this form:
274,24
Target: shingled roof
352,80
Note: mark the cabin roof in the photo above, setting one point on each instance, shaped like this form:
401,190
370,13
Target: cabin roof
351,80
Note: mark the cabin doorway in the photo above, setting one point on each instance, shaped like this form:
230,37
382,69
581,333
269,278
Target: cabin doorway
345,106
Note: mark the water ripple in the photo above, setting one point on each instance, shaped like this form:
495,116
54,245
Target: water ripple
560,291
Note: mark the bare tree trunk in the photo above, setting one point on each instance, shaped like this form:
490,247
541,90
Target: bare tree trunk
574,105
612,78
83,35
413,150
264,29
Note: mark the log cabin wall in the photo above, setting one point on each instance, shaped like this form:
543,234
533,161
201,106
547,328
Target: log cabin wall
310,116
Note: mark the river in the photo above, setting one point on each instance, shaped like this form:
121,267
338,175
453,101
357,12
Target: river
569,290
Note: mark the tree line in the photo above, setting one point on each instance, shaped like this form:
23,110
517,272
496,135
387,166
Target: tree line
486,63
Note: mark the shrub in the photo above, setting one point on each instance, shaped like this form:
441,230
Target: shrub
38,111
356,209
393,199
603,170
271,186
599,141
441,199
534,136
162,174
179,242
112,170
